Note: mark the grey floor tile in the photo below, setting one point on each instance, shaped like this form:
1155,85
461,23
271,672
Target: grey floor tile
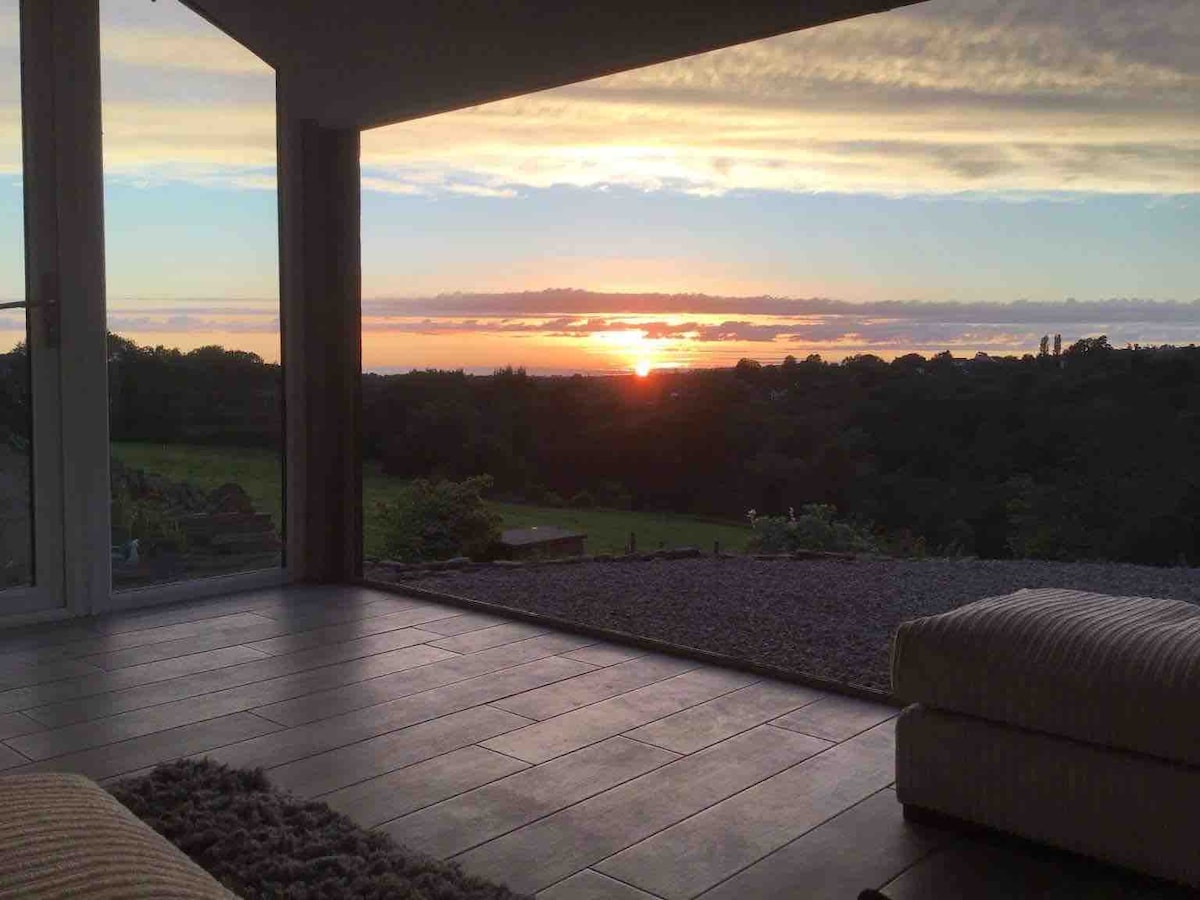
121,640
458,668
212,640
15,674
578,728
863,847
10,758
14,724
123,726
551,849
328,653
130,756
357,629
43,639
267,680
173,614
319,615
556,699
338,731
386,797
379,755
480,815
101,682
836,718
701,726
698,853
591,885
607,654
460,623
483,638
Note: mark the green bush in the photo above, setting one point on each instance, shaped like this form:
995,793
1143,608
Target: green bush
439,520
583,500
816,528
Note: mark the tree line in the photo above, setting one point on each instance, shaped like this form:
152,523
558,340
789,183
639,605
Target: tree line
1086,453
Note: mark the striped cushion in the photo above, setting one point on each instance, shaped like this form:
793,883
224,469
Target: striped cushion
64,836
1125,808
1117,671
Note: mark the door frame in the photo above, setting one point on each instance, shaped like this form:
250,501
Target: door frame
64,253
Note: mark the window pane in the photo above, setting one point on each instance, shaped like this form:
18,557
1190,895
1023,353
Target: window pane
194,350
16,521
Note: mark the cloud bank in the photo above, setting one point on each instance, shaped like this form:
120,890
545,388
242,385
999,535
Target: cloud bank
1012,97
1022,98
575,330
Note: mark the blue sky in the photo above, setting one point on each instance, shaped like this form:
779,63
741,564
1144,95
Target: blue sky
977,151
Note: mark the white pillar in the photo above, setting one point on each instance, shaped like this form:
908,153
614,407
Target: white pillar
64,214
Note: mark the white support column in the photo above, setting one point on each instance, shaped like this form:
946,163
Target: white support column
321,316
65,232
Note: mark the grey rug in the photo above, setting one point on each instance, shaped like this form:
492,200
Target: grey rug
260,842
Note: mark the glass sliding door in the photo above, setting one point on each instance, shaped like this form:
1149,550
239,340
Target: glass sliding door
191,235
30,485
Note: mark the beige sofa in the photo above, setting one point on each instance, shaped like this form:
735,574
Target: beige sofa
1065,717
63,836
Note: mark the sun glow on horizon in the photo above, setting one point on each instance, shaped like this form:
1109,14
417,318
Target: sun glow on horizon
642,368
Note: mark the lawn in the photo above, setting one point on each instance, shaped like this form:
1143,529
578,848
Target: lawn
607,530
258,472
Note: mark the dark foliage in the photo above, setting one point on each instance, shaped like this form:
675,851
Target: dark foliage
263,843
1081,453
204,396
1086,455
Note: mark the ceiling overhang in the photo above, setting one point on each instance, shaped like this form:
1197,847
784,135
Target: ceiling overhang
363,63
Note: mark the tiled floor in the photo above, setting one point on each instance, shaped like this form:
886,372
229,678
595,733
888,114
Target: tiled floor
565,767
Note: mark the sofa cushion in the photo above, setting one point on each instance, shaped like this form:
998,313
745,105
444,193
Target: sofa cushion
1117,671
64,836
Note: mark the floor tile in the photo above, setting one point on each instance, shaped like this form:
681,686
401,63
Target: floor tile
464,622
578,728
379,755
386,797
14,724
860,848
457,668
701,726
591,885
837,718
480,815
607,654
698,853
129,756
338,731
483,638
556,699
551,849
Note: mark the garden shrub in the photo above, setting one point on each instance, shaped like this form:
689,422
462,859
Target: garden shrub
816,528
583,500
441,519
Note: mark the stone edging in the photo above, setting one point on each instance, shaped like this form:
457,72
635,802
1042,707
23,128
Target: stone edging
646,643
460,563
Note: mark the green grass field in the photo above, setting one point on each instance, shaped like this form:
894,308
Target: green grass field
258,472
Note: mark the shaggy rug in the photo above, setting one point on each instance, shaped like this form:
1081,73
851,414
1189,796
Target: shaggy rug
260,842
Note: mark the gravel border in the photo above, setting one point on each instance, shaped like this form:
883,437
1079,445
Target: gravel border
828,620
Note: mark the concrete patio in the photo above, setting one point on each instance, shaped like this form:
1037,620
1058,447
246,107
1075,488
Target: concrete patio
562,766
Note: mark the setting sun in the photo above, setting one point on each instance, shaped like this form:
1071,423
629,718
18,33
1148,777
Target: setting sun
641,368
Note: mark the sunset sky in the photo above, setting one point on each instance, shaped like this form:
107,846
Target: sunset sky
945,176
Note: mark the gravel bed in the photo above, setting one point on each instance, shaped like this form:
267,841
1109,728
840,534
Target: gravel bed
830,619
